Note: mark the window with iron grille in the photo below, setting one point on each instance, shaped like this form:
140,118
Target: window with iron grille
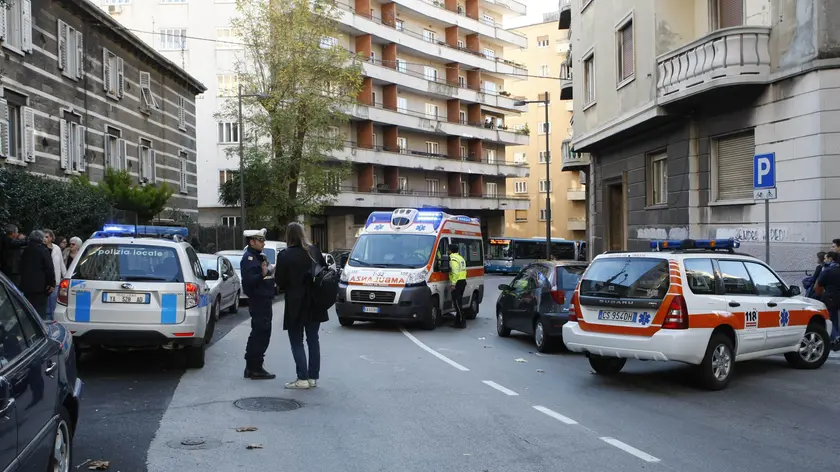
726,13
657,178
589,80
624,49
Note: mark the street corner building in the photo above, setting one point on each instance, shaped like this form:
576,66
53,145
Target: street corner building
672,101
80,93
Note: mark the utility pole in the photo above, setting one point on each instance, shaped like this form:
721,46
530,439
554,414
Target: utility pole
548,188
241,161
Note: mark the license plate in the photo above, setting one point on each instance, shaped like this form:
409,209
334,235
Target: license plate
124,297
620,316
370,309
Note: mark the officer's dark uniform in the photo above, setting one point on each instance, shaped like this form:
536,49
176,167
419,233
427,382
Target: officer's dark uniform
260,292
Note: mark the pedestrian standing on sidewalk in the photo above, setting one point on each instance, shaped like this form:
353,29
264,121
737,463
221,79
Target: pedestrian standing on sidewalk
828,289
11,253
71,252
37,274
258,285
458,281
58,266
295,268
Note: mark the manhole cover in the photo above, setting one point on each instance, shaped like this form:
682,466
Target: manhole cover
194,443
267,404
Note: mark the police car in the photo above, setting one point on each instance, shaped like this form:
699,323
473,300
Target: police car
138,287
697,302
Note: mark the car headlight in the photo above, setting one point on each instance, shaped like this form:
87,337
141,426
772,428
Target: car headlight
344,277
415,278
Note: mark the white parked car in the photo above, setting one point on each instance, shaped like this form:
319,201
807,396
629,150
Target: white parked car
235,257
226,290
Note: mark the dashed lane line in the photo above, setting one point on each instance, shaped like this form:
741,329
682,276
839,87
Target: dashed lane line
554,414
498,387
629,449
433,352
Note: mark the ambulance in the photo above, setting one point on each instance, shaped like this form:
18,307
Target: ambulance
399,269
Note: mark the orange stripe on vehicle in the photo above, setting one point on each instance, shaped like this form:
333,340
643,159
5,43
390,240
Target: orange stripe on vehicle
441,276
374,284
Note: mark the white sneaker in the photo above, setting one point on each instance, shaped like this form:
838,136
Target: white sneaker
298,385
313,383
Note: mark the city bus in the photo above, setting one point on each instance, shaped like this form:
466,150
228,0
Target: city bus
510,255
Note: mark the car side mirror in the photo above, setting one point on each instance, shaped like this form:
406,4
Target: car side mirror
794,290
504,287
212,274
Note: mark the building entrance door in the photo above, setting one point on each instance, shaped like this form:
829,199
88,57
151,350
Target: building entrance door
615,218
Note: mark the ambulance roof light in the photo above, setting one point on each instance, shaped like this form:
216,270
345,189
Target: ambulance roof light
686,244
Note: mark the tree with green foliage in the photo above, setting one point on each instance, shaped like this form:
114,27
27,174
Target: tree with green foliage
118,188
301,88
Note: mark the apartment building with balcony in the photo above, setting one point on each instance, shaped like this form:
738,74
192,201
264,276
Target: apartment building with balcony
547,49
674,98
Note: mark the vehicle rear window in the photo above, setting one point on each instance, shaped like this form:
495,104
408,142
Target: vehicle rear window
568,276
626,277
700,276
124,262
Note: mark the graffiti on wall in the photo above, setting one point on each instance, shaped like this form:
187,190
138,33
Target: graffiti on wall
757,234
662,233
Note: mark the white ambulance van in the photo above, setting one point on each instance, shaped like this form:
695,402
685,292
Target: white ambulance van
399,268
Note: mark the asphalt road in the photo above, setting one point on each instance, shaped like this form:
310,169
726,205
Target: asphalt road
453,400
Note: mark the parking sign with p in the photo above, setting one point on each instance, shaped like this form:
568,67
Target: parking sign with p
764,171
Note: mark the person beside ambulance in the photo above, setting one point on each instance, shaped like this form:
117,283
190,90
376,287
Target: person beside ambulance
458,283
828,290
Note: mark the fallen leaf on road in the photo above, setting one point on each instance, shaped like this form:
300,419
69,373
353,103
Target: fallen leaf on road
245,429
520,360
254,446
540,371
99,465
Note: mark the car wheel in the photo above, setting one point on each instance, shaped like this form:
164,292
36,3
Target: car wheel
217,309
501,329
62,451
472,311
346,321
194,356
544,343
433,316
606,365
234,309
812,351
211,325
718,363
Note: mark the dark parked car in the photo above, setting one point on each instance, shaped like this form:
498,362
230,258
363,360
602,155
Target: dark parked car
537,302
39,389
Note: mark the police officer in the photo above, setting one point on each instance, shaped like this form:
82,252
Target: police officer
458,281
258,285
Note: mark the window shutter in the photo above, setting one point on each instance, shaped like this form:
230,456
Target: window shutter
28,134
734,166
81,165
120,78
4,124
730,13
3,14
145,88
122,157
627,62
152,167
182,114
26,25
80,51
62,44
106,71
65,145
183,168
109,159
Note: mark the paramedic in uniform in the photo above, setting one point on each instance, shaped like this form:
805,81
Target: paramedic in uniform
458,279
258,285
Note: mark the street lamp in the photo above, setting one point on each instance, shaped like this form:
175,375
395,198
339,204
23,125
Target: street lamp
548,188
242,153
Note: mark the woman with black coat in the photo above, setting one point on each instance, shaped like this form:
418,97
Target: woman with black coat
294,275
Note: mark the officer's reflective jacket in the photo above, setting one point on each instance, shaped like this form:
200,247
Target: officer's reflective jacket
457,268
253,283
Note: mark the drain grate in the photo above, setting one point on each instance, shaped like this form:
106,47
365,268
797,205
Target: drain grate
194,443
267,404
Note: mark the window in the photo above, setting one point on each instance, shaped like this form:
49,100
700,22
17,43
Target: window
461,44
432,148
399,25
465,189
430,73
228,132
115,149
230,221
700,276
543,128
488,20
520,158
589,80
402,145
227,84
624,50
462,117
520,186
544,184
766,282
182,114
431,111
543,159
373,57
403,184
225,176
489,53
542,215
146,158
72,142
657,178
70,51
333,181
736,279
429,36
462,81
373,139
545,70
402,104
491,156
726,13
732,156
17,28
17,128
172,39
226,38
490,87
328,42
333,132
402,66
542,41
146,90
182,171
521,215
462,152
113,76
432,186
373,98
491,189
472,250
13,339
635,278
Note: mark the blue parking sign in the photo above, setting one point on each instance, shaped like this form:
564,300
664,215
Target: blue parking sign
764,171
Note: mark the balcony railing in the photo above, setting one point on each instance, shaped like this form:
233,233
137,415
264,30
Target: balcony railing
384,189
572,160
463,12
576,224
731,56
576,194
442,117
420,35
470,157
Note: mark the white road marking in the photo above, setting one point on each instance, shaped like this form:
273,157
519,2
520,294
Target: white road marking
498,387
433,352
630,449
555,415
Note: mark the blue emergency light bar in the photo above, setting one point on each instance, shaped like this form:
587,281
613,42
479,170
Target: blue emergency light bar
110,231
709,244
